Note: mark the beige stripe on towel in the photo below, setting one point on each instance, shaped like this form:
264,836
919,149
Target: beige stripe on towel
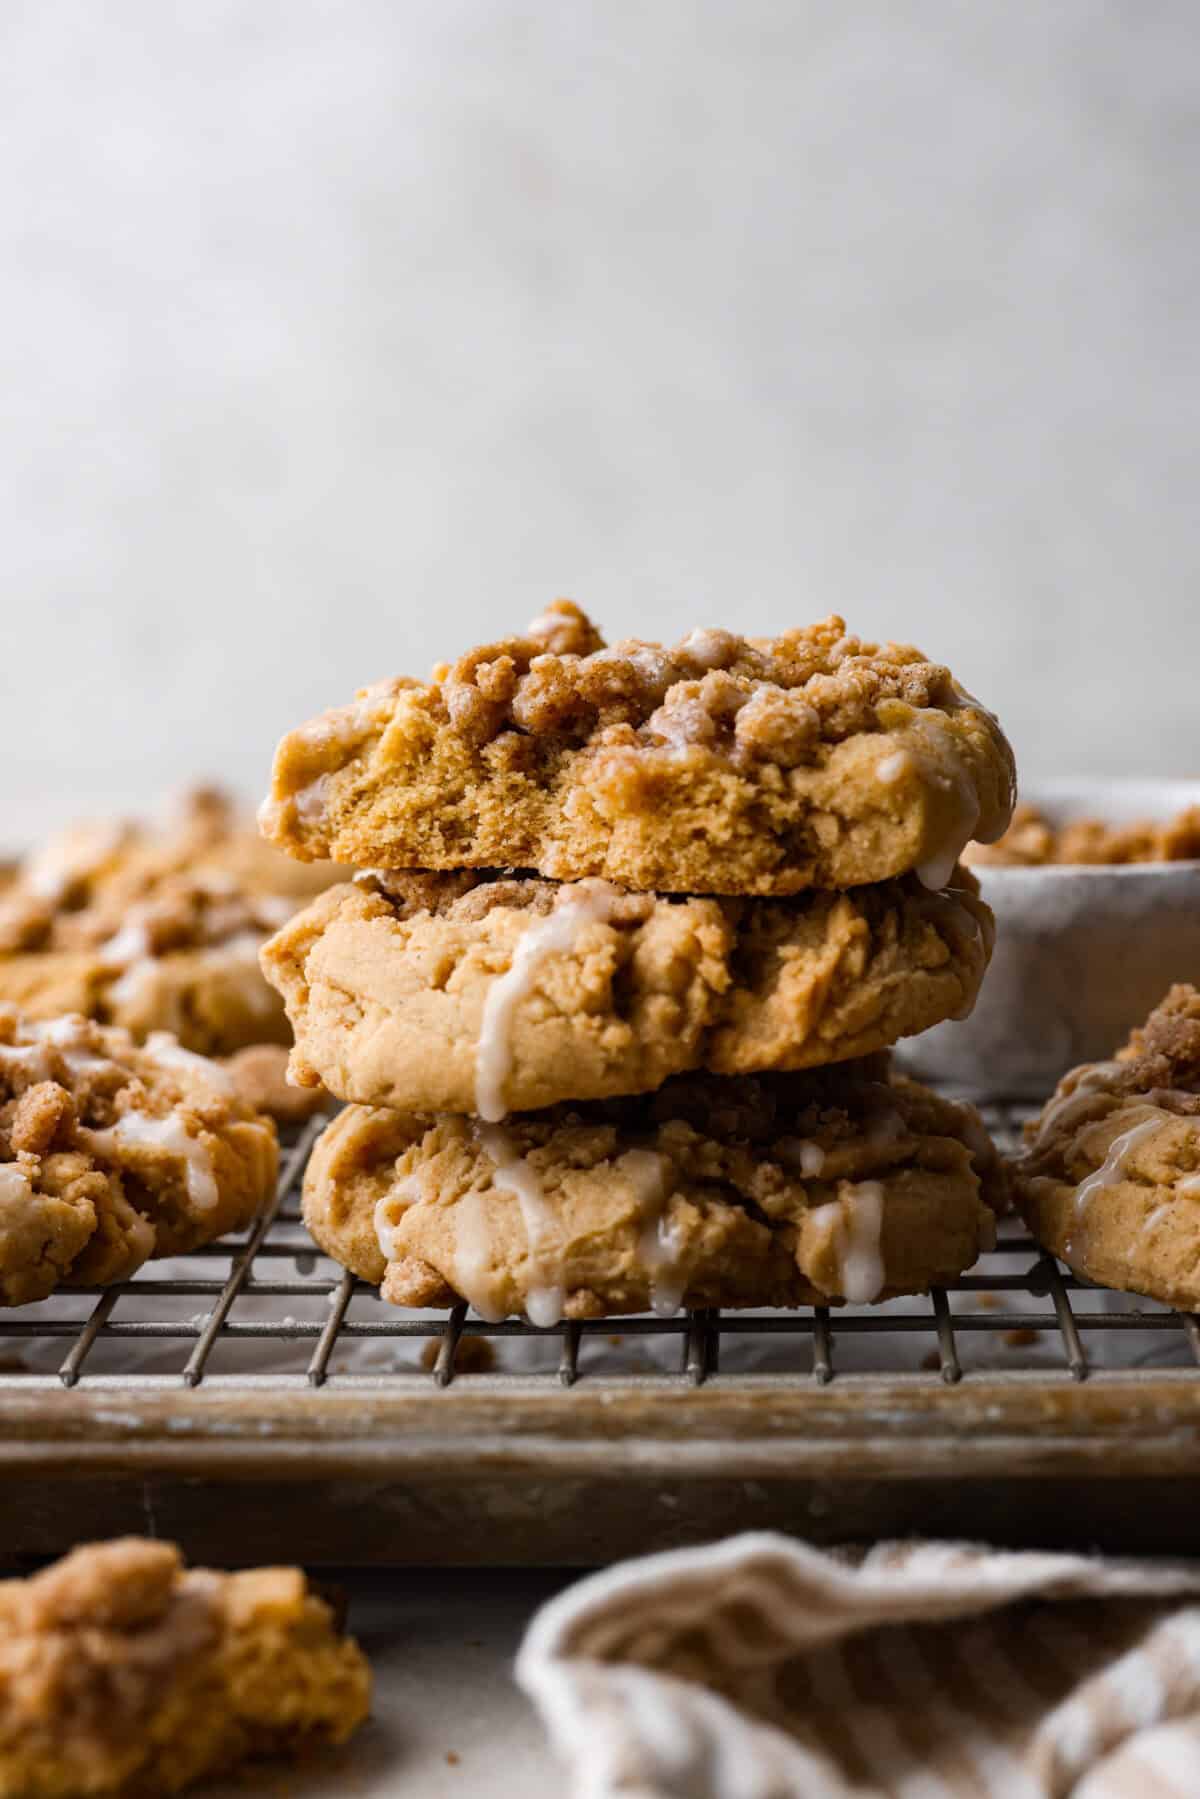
760,1668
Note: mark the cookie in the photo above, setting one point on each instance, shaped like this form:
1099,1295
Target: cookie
1032,841
724,765
111,1154
1110,1178
114,863
153,931
260,1076
214,999
121,1672
458,993
777,1190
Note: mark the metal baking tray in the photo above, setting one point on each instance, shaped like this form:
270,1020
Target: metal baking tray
256,1402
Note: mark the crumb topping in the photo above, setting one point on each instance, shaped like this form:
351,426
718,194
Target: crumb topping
1157,1071
760,698
1031,841
110,1153
723,764
1164,1053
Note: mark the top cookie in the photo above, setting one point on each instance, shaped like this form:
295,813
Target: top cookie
724,765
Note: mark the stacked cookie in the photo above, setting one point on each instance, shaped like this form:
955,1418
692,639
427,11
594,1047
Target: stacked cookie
612,1004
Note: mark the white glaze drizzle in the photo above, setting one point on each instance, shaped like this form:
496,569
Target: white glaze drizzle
587,902
311,801
659,1243
512,1173
936,870
856,1220
168,1052
1113,1166
130,944
862,1254
802,1157
1189,1185
137,1131
32,1059
545,623
708,648
407,1192
15,1184
67,1035
931,744
145,982
51,871
893,768
139,984
1063,1108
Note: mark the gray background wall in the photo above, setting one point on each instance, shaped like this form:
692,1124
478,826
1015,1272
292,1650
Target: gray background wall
334,336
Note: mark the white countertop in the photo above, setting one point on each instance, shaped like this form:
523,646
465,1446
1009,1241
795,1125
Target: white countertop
441,1644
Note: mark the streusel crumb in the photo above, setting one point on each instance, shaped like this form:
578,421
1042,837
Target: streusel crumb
1031,841
722,765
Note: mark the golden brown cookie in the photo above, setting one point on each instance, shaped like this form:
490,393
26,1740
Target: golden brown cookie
724,765
775,1190
153,930
458,993
111,1154
120,1672
1110,1180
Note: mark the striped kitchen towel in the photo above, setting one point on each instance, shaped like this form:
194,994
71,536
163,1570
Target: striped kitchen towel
760,1668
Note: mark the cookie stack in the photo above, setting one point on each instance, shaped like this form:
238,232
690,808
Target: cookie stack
612,1003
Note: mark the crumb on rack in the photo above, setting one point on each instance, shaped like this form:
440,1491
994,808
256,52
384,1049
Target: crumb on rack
472,1355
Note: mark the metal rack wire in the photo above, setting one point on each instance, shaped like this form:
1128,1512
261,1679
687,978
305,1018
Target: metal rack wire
1018,1312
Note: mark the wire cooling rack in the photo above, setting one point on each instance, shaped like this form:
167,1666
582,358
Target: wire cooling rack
1039,1315
257,1360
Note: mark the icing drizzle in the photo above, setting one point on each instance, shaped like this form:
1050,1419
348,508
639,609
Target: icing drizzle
513,1173
856,1219
136,1130
577,906
659,1244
